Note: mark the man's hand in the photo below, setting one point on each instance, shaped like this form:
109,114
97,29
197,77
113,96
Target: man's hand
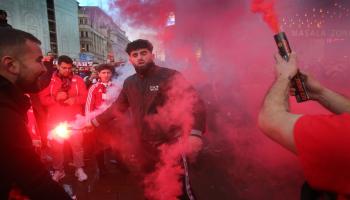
70,101
314,88
60,96
286,69
194,146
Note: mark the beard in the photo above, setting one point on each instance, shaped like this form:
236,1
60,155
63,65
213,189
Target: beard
143,69
32,81
29,82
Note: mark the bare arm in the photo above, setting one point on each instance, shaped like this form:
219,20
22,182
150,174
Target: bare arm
275,120
331,100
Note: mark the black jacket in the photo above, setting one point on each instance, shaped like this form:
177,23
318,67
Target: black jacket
150,97
4,24
20,164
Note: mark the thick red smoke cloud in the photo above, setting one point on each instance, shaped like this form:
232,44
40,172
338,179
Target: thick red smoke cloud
145,13
226,52
231,78
228,74
267,9
165,182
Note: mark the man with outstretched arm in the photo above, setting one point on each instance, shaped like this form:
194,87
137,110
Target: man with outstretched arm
155,96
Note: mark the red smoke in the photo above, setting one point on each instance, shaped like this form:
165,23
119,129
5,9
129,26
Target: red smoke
214,28
266,8
232,75
165,183
239,162
145,13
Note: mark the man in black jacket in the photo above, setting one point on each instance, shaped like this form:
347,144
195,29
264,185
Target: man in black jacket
20,69
165,109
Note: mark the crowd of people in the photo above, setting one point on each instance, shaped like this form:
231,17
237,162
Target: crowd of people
57,95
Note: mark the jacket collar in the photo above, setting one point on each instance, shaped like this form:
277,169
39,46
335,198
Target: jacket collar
152,68
14,94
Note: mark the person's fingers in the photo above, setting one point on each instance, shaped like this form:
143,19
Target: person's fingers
278,58
293,58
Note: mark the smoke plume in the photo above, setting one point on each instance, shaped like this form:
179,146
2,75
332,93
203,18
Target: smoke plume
266,8
226,52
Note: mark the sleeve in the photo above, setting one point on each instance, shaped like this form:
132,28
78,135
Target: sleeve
46,98
119,107
20,162
199,115
82,94
90,100
322,143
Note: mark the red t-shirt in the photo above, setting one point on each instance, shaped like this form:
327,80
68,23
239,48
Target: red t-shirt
323,146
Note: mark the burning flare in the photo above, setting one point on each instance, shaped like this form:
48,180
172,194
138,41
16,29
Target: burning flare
60,133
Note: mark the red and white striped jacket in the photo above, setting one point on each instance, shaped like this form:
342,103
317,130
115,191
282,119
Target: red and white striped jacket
98,94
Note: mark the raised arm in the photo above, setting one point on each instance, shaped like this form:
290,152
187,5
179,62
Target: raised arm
275,120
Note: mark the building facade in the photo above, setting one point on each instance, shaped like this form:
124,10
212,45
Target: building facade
101,40
30,16
53,22
67,28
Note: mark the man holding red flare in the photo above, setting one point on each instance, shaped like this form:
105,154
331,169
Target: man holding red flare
65,98
320,141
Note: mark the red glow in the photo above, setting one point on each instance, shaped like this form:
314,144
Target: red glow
61,131
237,63
266,7
152,14
165,183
